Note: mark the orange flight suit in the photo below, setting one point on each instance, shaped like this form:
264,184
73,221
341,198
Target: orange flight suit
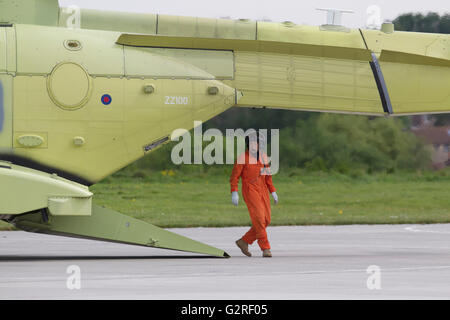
255,191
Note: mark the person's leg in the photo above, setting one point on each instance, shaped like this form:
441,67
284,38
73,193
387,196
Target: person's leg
259,225
250,236
263,241
258,230
265,245
257,208
263,222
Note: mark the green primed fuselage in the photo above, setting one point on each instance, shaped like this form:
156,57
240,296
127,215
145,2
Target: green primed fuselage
87,102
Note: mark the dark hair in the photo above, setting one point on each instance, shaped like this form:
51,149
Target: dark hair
254,136
247,142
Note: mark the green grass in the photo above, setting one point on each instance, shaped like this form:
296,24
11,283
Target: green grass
199,199
5,226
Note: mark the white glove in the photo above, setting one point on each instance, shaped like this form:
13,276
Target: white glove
235,198
275,197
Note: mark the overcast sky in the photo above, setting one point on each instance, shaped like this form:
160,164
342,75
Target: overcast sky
299,11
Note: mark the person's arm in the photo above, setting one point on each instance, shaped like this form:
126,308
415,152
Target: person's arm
267,174
269,181
269,184
235,176
234,181
272,189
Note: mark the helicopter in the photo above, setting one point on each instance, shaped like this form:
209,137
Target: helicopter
84,93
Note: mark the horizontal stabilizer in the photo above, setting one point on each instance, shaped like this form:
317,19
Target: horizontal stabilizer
408,58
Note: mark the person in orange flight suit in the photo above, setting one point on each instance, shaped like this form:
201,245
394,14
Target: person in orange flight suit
252,167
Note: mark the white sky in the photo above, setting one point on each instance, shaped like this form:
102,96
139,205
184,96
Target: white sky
298,11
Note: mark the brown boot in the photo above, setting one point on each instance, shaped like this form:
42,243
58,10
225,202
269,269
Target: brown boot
267,254
244,247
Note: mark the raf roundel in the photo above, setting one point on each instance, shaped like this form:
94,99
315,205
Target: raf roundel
106,99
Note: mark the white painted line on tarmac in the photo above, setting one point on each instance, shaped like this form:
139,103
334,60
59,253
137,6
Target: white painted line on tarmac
414,229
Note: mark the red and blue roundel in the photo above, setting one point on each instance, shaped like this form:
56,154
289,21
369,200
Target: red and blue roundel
106,99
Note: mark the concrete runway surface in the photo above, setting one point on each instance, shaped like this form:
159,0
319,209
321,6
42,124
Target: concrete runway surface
308,263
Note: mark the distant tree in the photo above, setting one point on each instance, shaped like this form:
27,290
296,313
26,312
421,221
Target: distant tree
345,143
417,22
246,118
